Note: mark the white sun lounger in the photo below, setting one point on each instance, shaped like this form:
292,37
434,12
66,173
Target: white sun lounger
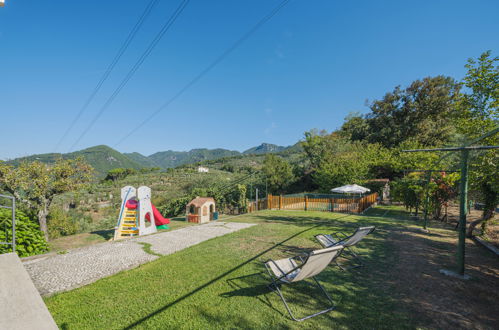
291,270
348,242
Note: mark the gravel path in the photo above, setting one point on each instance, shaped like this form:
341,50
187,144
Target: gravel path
85,265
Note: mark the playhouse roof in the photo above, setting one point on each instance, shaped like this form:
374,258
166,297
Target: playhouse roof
200,201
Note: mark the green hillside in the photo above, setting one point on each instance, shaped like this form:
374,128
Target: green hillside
295,148
265,148
102,158
252,161
141,159
168,159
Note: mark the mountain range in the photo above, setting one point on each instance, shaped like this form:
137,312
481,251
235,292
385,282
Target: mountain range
104,158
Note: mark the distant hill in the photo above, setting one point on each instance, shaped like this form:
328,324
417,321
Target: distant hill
167,159
102,158
141,159
264,148
252,160
297,147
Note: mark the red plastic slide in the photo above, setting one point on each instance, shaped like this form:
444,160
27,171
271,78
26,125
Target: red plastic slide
158,218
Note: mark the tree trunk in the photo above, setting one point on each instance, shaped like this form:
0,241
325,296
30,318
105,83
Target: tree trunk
42,220
487,215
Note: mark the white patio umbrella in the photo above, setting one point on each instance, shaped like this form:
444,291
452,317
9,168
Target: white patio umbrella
351,189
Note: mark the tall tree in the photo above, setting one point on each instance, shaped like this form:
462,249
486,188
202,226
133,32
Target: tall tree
335,160
36,184
422,113
278,172
479,114
355,127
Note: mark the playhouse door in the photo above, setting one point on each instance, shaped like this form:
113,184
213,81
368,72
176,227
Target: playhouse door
212,210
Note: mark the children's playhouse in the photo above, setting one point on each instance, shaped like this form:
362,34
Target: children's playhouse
201,210
138,216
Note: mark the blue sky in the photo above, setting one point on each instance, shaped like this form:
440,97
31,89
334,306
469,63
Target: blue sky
308,67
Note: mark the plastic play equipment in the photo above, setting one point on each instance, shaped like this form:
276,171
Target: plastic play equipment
137,213
160,221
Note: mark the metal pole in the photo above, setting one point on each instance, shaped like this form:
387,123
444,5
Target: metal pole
427,201
14,224
256,195
463,205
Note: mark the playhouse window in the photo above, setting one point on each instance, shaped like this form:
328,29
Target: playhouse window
192,209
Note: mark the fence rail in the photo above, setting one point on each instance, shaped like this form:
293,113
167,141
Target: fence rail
350,204
12,207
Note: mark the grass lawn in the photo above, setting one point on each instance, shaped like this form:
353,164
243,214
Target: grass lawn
79,240
221,283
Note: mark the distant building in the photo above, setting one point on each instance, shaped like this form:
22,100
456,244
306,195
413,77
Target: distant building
202,169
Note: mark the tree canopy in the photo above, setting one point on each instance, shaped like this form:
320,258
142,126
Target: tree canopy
278,173
36,184
421,113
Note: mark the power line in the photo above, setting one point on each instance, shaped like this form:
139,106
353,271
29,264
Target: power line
208,68
134,69
236,181
110,68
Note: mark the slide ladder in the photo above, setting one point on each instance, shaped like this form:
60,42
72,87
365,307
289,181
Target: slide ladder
137,214
128,225
127,220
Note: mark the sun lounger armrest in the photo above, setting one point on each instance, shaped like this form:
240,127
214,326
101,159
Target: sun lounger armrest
324,237
282,271
341,238
342,234
301,257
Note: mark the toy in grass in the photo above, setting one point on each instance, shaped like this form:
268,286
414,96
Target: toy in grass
138,216
201,210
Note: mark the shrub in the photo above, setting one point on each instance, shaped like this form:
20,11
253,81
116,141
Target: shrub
119,173
29,239
174,207
61,224
83,221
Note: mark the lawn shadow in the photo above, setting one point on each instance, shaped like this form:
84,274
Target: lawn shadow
433,299
105,234
300,220
212,281
253,285
399,286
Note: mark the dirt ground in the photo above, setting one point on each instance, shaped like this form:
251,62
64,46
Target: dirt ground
492,234
439,301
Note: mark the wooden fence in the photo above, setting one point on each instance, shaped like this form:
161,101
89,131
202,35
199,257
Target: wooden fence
306,203
262,205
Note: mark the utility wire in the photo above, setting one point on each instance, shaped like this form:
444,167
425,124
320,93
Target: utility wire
236,181
207,69
110,68
134,69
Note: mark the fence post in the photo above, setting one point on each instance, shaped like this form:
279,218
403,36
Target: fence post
331,203
306,203
280,202
269,201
